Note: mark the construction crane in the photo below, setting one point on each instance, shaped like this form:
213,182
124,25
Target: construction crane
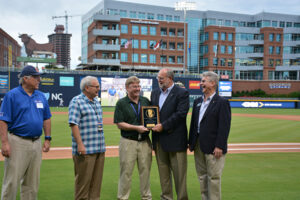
66,16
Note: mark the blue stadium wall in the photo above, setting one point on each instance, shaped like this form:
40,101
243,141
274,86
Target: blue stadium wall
59,90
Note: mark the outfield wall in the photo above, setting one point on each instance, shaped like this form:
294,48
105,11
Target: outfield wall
60,88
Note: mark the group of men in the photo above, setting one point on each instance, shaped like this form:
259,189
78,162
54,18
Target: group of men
25,113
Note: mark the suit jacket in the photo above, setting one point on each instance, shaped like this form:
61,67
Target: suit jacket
214,126
173,114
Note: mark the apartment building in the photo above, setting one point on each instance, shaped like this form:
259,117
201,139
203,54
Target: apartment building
264,46
9,50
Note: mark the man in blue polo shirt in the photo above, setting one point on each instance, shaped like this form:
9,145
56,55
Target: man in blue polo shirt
24,114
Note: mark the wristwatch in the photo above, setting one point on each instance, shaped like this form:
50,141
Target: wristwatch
48,138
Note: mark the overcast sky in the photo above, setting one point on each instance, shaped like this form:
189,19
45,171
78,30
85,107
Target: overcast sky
34,17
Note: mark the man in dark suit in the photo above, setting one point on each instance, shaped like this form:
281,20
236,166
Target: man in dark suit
169,137
210,125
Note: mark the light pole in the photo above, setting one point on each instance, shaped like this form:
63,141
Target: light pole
185,6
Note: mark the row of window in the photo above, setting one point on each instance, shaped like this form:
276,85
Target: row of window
143,15
143,30
145,44
259,24
222,36
151,58
222,62
282,75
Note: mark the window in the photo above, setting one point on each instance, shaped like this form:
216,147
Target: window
180,32
163,59
105,55
227,23
104,26
135,57
124,28
132,14
135,44
163,31
169,18
278,50
135,30
278,62
176,18
152,58
222,61
123,13
150,16
242,24
144,44
152,43
271,37
278,37
266,23
216,36
282,24
171,59
230,36
172,45
289,24
171,32
271,49
179,46
206,36
123,42
274,23
179,59
144,30
229,49
142,15
229,62
105,41
223,48
160,17
215,61
124,57
235,23
152,30
144,58
223,36
271,62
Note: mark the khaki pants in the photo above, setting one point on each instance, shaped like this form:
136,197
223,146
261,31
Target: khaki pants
23,166
209,170
168,163
88,175
132,152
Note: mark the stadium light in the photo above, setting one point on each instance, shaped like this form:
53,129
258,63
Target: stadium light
185,6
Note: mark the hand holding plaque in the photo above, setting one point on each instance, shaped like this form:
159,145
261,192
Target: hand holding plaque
150,116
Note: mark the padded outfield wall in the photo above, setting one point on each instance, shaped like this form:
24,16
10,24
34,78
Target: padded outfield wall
60,88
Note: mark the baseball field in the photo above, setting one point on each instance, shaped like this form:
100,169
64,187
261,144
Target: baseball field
263,160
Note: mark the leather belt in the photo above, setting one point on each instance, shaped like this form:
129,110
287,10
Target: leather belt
136,138
27,138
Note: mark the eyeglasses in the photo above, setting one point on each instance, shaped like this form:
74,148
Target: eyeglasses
160,78
135,87
95,86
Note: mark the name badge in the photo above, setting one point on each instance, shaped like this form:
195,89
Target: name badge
39,105
100,127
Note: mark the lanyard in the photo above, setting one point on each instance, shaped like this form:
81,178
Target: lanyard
137,113
94,106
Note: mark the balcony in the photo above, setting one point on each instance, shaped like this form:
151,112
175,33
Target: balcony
106,47
105,32
106,61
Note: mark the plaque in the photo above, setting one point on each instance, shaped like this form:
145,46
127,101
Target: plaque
150,116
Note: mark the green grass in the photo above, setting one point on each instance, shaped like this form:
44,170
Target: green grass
243,129
268,176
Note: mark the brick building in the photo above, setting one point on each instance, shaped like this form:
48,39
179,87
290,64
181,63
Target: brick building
9,50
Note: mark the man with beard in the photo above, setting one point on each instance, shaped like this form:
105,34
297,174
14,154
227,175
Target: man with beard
169,137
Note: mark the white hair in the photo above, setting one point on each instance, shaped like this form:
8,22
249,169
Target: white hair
86,81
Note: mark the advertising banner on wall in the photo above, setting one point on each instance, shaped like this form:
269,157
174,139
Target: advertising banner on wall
3,84
225,88
194,85
262,104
